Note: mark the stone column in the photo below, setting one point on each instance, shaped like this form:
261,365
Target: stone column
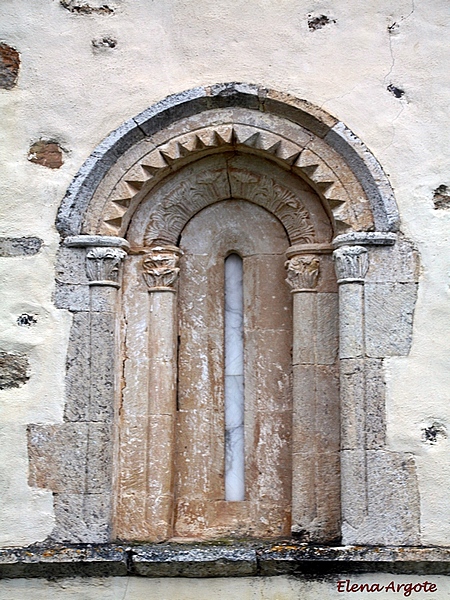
160,271
351,263
315,472
82,450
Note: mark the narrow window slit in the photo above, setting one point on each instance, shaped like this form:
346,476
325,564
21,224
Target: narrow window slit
234,380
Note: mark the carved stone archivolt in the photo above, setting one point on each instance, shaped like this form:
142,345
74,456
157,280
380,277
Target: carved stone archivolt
160,268
351,263
299,151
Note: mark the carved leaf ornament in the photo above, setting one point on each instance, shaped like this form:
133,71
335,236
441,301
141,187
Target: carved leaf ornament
169,217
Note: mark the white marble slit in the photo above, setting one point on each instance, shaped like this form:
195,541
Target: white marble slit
234,380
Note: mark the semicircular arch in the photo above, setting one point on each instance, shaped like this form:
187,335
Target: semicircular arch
287,132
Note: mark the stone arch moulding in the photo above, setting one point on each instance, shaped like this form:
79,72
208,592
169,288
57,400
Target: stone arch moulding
133,197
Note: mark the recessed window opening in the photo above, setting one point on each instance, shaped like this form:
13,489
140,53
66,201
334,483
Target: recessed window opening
234,379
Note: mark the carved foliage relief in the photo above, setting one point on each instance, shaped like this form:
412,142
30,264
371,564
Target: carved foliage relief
192,195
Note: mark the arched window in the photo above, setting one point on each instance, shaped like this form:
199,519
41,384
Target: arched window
231,204
218,171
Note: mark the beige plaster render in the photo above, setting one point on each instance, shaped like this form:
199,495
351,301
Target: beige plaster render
242,588
74,96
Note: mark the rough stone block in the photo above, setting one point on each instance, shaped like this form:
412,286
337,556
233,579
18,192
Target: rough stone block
389,311
46,153
82,518
398,263
24,246
132,457
304,401
58,457
9,66
129,517
393,496
70,265
78,369
160,457
71,297
392,512
304,490
14,370
268,378
199,457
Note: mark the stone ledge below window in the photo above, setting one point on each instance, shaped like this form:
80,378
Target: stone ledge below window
218,560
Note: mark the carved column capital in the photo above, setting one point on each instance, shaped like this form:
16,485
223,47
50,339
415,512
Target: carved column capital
351,264
160,268
102,265
303,272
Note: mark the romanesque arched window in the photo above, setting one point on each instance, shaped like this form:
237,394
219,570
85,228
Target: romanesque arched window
295,197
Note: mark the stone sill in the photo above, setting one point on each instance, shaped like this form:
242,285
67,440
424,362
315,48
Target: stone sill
218,560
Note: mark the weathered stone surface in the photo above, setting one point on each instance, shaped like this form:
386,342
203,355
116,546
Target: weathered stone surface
375,414
61,561
70,266
99,459
194,101
441,197
14,370
354,491
351,320
82,518
9,66
78,372
213,560
58,457
24,246
71,297
102,363
87,8
46,153
398,263
353,409
389,311
326,341
392,508
194,562
370,174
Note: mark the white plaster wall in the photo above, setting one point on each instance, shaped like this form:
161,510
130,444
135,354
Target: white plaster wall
70,93
240,588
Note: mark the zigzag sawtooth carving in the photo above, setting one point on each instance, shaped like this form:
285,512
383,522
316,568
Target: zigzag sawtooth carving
302,160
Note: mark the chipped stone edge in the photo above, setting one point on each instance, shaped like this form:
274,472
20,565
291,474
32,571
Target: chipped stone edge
199,99
370,174
212,560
